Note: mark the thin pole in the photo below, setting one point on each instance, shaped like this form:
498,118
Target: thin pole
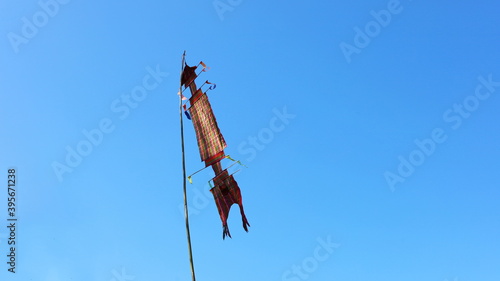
186,213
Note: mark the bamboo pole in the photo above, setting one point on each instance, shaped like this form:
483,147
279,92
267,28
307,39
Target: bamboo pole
186,213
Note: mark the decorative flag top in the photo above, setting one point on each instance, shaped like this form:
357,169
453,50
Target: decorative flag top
211,145
188,75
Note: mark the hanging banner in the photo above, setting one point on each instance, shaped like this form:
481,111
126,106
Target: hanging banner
211,143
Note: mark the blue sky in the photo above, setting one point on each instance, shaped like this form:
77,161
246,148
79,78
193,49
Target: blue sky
369,130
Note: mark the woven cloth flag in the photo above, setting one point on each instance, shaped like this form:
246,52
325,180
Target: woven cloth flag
226,193
210,140
188,75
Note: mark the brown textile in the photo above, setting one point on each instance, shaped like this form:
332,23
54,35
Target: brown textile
211,143
226,193
188,75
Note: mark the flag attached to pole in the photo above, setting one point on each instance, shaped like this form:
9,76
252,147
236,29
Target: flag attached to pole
211,145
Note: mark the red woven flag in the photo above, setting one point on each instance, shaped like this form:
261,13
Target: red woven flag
210,140
226,193
188,75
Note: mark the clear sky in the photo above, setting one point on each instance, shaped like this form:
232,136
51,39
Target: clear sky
369,128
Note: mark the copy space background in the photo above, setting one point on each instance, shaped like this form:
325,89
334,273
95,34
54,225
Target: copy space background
317,176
